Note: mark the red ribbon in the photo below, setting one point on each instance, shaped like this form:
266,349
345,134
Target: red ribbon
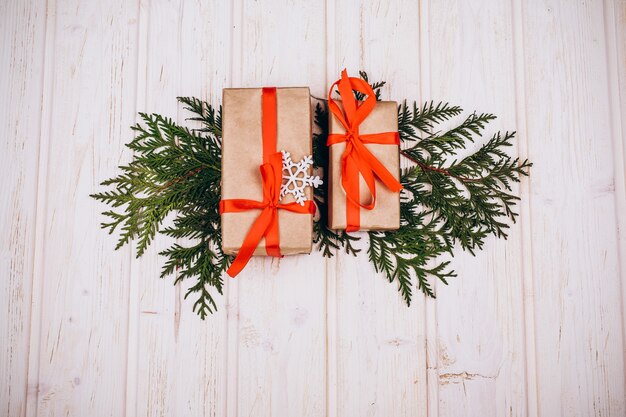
266,225
357,159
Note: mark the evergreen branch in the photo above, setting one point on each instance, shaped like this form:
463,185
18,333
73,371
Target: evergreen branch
414,122
407,252
438,146
210,118
174,170
440,206
473,197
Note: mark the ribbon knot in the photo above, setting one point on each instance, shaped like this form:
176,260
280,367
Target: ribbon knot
352,135
357,160
266,225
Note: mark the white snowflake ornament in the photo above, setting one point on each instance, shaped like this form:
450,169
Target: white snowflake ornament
296,177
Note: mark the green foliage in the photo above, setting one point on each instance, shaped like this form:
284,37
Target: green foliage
473,197
174,170
445,204
177,171
413,122
440,206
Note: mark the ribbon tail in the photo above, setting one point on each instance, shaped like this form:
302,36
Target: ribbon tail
374,165
252,240
272,239
272,178
353,166
353,195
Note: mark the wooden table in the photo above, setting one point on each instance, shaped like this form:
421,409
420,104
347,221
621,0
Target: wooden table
533,326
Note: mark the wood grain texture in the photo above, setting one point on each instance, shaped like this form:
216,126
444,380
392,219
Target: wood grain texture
615,12
80,332
22,34
479,339
533,326
580,356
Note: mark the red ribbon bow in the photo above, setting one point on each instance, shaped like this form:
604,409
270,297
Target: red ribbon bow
357,159
266,225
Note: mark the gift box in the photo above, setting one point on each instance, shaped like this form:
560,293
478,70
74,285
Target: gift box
244,147
379,125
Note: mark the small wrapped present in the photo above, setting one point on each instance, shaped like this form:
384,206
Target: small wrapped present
364,159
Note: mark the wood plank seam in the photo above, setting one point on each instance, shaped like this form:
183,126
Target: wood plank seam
430,318
525,212
619,149
33,387
331,264
133,325
429,311
232,328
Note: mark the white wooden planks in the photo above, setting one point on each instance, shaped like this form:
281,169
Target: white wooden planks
480,315
532,327
79,334
615,12
616,51
22,37
576,273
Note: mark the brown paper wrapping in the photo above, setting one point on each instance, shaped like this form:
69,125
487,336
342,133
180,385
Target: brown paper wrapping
386,214
242,155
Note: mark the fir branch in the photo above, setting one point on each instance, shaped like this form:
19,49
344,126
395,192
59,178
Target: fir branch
441,205
174,170
438,146
407,252
473,197
416,123
210,118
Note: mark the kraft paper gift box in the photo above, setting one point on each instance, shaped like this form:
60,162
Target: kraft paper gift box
386,214
242,154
